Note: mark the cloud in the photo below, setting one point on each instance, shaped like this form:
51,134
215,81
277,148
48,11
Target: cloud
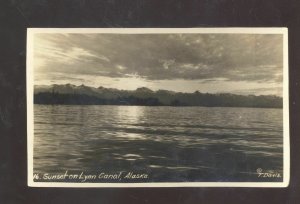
232,57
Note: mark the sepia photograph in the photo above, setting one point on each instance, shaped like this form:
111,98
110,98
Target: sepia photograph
182,107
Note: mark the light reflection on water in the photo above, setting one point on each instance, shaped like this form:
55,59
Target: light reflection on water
185,143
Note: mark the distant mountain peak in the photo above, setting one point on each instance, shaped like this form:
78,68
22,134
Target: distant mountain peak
144,89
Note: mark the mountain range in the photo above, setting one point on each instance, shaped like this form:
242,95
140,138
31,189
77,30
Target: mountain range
85,95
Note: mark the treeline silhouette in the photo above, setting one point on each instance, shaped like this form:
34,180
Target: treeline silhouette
160,99
83,99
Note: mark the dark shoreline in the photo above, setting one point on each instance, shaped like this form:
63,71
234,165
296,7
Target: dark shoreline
147,98
63,104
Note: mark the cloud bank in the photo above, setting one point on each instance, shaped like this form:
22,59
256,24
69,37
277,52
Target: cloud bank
207,58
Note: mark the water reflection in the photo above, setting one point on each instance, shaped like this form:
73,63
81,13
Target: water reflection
130,114
128,117
171,143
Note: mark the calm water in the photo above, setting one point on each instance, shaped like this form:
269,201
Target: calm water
167,143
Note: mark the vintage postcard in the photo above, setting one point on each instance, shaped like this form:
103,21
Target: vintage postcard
192,107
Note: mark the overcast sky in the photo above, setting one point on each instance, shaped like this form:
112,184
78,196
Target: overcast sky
235,63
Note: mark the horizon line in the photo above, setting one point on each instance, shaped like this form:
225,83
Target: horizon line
161,90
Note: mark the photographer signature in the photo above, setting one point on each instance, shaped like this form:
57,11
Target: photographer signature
267,174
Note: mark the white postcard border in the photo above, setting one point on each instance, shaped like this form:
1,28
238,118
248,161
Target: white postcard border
30,122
